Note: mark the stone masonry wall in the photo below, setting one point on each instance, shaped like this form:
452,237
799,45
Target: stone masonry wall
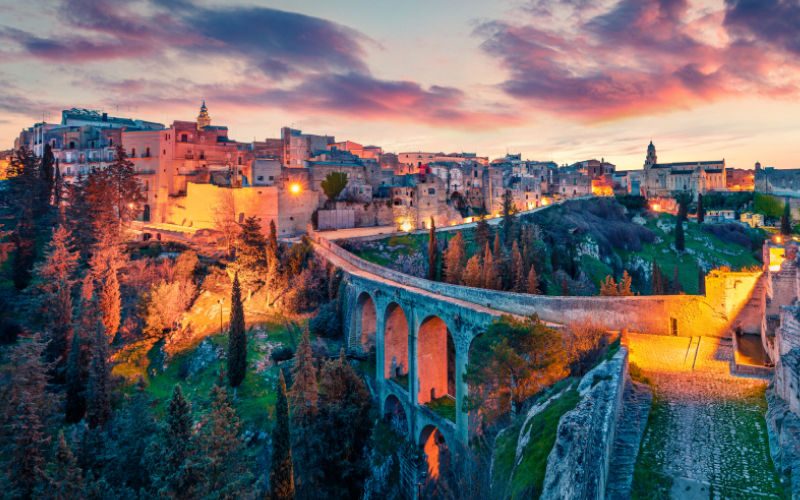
710,315
578,464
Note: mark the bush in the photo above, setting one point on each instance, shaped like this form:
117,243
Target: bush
327,322
585,344
729,232
282,353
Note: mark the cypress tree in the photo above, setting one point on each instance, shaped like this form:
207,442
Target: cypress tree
482,232
454,259
303,394
680,238
110,301
518,277
658,287
488,277
98,396
237,338
169,454
47,174
281,476
75,406
433,251
786,219
508,217
701,211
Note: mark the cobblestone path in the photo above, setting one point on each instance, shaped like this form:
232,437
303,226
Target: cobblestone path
706,436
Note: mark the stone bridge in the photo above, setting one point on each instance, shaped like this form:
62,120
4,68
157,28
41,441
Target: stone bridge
421,331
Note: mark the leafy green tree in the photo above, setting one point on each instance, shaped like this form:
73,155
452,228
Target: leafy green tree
512,361
281,476
786,219
333,185
237,337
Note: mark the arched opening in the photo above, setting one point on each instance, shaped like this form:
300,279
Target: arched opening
437,455
395,415
366,322
395,360
146,213
436,363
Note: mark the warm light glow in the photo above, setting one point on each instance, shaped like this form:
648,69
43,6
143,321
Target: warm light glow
655,207
406,226
778,239
545,202
295,188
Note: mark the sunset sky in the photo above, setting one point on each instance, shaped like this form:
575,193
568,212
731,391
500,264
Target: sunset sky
555,80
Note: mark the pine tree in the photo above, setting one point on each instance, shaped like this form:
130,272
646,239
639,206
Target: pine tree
58,186
47,174
237,338
75,406
533,281
24,239
169,454
701,211
124,186
501,274
488,277
251,253
482,232
303,394
64,478
473,275
433,251
55,281
220,463
519,283
281,476
786,219
608,288
658,287
454,259
624,287
98,390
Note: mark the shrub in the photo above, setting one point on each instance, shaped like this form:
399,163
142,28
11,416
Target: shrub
327,322
282,353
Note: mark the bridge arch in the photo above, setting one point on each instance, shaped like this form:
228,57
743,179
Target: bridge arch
394,413
437,453
366,323
396,333
435,360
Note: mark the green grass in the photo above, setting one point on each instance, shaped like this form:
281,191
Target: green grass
254,399
526,479
701,244
595,269
445,407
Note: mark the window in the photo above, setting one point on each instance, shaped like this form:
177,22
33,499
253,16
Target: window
184,137
431,191
240,160
110,141
133,152
147,152
673,327
71,144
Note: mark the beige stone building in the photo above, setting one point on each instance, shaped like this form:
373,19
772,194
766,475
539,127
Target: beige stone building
663,180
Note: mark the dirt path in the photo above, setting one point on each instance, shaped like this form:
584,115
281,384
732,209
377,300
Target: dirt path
706,436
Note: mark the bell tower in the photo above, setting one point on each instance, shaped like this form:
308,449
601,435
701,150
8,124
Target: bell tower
203,119
651,159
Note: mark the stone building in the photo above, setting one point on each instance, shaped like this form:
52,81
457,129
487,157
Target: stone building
662,180
299,147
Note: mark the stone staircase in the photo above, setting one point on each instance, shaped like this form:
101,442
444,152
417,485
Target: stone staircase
628,435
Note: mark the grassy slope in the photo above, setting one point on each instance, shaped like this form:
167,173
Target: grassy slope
527,477
255,398
702,244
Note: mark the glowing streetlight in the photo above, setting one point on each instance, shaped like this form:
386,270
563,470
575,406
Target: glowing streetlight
295,188
406,226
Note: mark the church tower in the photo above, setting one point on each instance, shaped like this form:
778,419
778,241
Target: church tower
203,120
651,159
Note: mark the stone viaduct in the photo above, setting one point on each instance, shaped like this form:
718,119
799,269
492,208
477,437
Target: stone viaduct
421,331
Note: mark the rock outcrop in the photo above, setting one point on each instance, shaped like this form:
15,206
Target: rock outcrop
783,427
578,464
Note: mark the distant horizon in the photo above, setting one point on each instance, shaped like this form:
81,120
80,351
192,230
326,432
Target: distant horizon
554,80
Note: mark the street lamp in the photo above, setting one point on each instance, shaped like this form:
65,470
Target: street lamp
220,302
